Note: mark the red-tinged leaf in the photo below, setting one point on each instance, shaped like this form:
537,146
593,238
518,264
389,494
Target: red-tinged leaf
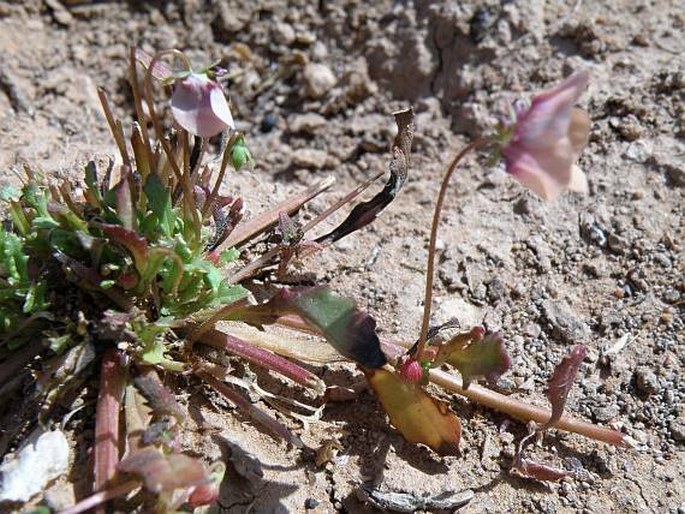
209,493
137,245
128,280
164,472
365,212
124,200
418,417
481,357
159,398
349,330
561,382
538,471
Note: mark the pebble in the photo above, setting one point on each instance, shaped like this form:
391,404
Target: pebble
677,429
646,381
317,80
564,322
310,158
306,123
606,414
311,503
639,151
283,34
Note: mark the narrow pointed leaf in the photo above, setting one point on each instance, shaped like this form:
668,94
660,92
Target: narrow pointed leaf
159,202
365,212
420,418
561,382
349,330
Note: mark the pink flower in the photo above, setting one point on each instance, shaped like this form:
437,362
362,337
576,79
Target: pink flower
548,138
200,107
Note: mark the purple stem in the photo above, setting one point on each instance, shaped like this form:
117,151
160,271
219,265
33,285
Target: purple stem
226,342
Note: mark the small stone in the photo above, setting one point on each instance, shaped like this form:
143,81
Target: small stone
564,322
497,290
311,503
606,414
641,40
675,174
306,123
639,151
646,381
268,122
677,428
317,80
283,34
310,158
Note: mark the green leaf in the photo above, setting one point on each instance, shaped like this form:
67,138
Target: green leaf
228,256
35,298
59,344
153,353
14,262
159,202
36,198
349,330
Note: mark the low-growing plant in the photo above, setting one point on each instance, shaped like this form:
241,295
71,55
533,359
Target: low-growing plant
133,273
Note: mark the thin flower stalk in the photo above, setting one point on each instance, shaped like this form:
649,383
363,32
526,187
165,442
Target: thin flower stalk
430,266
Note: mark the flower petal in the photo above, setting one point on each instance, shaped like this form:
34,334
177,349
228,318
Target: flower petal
545,173
579,130
547,140
200,107
550,112
220,107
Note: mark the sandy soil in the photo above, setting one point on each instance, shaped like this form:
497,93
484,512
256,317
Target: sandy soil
606,269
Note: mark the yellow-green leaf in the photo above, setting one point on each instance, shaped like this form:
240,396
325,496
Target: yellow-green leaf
419,417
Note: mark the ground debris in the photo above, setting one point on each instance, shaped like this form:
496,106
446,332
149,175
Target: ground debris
410,502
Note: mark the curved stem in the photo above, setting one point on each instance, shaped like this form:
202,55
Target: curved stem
182,178
430,267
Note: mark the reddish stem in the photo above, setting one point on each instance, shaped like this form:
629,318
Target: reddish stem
526,411
515,408
253,412
226,342
106,451
430,266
